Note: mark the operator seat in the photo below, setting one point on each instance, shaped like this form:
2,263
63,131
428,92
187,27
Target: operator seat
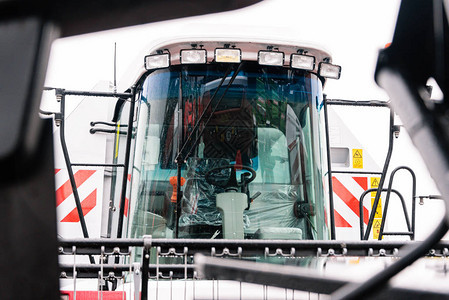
200,217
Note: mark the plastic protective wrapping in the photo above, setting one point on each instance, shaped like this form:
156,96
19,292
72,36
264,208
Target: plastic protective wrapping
199,206
270,215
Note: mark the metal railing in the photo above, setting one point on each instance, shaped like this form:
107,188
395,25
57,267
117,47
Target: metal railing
149,265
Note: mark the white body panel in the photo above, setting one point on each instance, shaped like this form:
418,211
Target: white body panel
367,129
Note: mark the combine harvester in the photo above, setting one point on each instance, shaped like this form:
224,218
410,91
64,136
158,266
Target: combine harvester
222,147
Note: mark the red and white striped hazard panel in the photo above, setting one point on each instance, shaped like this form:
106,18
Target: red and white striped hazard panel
347,191
65,190
90,186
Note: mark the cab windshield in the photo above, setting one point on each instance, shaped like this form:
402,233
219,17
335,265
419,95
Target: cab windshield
266,120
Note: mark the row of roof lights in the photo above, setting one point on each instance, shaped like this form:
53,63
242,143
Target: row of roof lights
234,55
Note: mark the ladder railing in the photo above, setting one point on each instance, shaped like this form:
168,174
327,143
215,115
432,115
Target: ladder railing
411,228
410,225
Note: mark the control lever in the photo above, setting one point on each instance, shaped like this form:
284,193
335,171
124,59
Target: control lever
255,196
244,189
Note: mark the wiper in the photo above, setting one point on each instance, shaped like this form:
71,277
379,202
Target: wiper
179,160
197,124
197,140
203,114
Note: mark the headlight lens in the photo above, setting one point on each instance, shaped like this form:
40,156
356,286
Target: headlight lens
271,58
303,62
329,70
157,61
227,55
193,56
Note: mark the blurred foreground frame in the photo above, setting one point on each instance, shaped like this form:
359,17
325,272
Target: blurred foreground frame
27,193
419,51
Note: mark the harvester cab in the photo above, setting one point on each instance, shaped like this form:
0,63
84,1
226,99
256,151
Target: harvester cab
240,126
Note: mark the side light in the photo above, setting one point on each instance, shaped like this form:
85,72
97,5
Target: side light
303,62
193,56
270,58
157,61
228,55
329,70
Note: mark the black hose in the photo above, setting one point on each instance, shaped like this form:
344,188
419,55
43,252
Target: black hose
382,178
360,291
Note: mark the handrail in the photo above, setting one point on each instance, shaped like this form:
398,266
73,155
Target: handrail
365,234
60,96
412,229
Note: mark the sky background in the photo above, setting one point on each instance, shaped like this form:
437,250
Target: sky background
353,31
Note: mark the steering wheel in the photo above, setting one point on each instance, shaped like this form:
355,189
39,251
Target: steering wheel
232,183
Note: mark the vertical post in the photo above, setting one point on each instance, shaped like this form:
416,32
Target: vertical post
178,197
145,273
413,216
329,170
362,197
126,163
180,159
145,266
115,67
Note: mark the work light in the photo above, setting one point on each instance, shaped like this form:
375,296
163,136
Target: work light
303,62
157,61
193,56
329,70
270,58
228,55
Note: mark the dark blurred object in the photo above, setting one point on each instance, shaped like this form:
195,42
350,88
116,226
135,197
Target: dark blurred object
84,16
29,267
419,51
27,193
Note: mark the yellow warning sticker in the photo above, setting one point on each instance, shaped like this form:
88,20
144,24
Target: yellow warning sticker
378,214
376,228
374,185
357,158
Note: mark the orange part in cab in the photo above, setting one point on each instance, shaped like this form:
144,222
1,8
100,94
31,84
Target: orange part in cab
174,183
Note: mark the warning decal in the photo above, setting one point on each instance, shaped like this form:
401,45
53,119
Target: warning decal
376,228
375,184
89,183
357,158
378,215
65,191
